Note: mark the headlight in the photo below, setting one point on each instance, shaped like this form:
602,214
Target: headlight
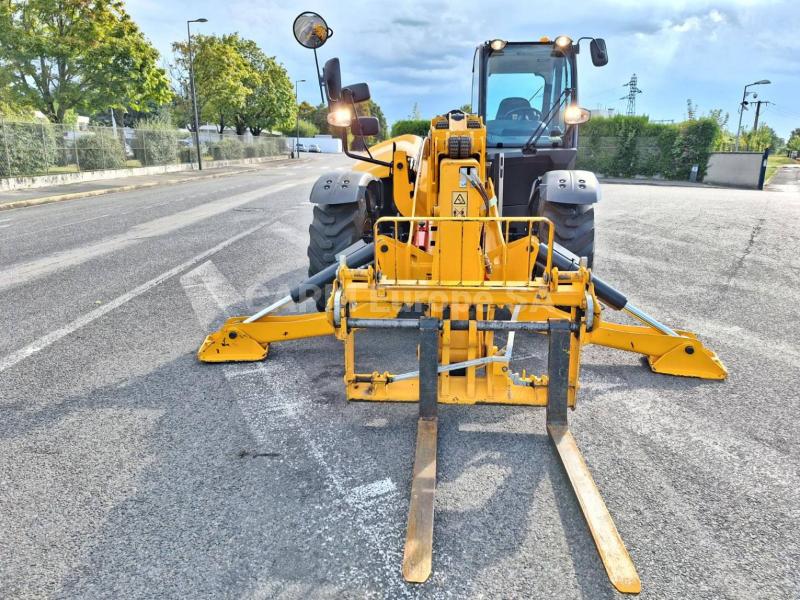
563,42
339,117
575,115
497,45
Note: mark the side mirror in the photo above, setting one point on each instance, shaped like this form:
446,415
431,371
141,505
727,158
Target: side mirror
359,92
332,76
365,126
597,48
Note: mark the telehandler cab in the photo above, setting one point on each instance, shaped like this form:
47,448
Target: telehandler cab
483,228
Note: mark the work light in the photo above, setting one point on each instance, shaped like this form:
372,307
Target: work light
497,45
575,115
339,117
563,42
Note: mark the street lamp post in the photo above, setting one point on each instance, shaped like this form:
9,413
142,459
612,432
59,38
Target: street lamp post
741,108
297,118
194,96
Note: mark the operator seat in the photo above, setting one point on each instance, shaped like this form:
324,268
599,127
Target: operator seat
508,105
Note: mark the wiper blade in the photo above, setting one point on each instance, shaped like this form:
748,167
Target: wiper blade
539,131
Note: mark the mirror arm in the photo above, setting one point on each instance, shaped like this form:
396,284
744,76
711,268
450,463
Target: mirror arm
361,157
360,135
369,158
319,79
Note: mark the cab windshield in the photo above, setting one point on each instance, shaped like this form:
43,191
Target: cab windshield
523,82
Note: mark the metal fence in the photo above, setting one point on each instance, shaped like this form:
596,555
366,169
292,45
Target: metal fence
28,149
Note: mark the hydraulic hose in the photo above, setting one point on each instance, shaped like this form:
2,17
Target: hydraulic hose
306,289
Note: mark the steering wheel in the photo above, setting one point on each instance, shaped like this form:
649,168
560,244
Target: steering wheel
523,114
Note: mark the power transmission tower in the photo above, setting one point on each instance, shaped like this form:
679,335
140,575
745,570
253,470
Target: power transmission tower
633,89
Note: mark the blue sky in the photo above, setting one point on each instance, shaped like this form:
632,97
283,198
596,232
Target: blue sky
421,51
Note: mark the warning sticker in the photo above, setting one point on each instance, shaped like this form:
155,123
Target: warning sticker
460,204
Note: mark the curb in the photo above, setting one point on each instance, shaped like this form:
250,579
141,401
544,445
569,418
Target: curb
112,190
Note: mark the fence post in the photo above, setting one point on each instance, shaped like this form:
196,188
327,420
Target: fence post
144,148
5,140
44,149
75,145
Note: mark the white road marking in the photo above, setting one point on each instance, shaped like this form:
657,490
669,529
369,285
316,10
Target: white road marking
268,410
22,273
370,491
4,220
37,231
4,226
43,342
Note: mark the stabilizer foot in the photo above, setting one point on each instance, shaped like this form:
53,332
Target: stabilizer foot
231,344
619,566
419,535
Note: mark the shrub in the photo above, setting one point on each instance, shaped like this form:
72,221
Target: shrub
418,127
156,141
628,146
26,148
100,150
227,149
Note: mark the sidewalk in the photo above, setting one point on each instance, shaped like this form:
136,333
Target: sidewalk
661,182
786,179
57,193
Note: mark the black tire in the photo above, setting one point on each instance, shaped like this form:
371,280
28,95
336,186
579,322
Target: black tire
333,228
574,227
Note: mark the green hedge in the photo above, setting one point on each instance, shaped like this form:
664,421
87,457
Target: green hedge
26,149
100,150
629,146
156,146
419,127
228,149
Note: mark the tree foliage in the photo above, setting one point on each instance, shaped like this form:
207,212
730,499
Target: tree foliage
418,127
221,77
270,105
79,55
794,140
760,139
236,84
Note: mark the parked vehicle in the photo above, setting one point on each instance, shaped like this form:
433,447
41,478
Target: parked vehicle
313,148
300,147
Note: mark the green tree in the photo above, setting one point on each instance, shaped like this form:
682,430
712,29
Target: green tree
270,105
762,138
81,55
221,76
794,141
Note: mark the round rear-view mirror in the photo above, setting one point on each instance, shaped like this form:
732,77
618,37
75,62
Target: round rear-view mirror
311,30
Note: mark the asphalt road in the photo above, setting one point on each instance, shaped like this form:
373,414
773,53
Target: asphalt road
128,469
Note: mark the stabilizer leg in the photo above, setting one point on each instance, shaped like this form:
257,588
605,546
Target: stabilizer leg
610,547
418,553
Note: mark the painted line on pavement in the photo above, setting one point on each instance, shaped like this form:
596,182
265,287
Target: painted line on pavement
46,340
271,412
25,272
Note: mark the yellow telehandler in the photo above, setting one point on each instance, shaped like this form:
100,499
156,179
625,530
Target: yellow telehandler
483,228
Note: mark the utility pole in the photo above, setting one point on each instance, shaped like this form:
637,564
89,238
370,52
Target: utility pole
633,89
297,118
194,96
758,111
743,106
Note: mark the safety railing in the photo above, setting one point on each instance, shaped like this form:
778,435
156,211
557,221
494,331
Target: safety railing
500,243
